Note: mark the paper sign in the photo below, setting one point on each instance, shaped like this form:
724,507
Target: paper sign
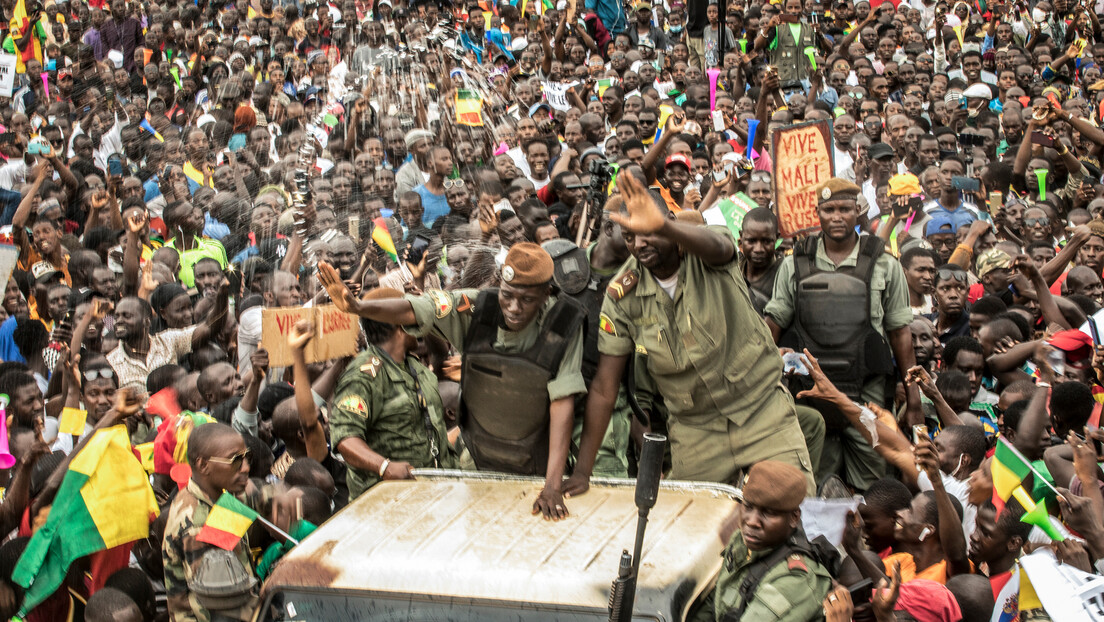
7,74
9,255
335,333
556,94
734,208
802,159
827,517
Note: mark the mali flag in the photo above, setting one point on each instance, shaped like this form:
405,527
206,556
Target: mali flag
227,523
105,500
21,21
469,106
1010,469
382,237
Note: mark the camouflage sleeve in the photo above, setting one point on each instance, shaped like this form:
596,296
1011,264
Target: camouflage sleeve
447,313
351,413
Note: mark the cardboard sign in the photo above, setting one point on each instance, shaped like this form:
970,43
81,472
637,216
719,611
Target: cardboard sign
335,333
802,159
7,74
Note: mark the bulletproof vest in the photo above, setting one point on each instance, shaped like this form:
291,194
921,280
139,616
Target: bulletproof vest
504,397
789,55
590,299
832,317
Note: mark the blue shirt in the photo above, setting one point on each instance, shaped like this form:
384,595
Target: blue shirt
435,205
961,217
213,228
9,353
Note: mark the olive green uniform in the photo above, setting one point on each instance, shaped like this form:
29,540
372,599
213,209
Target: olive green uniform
449,314
849,452
182,553
712,359
377,400
792,590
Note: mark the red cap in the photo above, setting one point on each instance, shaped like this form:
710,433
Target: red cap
678,158
1076,345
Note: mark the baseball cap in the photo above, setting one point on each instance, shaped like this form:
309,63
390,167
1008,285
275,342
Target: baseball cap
678,158
878,151
940,224
535,108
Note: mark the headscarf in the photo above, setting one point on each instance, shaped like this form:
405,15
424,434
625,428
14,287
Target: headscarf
245,119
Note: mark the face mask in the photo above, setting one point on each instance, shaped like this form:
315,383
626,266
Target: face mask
1038,15
961,459
676,29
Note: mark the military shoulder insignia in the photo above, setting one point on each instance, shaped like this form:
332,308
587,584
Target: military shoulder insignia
605,324
371,367
354,403
641,350
465,304
442,302
796,563
622,285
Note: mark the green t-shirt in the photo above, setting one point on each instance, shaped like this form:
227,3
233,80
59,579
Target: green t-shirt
276,550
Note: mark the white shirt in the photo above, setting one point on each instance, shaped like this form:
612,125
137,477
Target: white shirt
165,347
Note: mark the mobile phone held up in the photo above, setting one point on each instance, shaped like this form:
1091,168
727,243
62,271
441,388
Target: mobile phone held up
1040,138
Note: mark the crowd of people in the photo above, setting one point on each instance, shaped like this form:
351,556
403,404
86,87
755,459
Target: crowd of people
557,225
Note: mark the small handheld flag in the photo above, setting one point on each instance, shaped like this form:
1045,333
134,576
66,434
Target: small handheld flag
382,237
469,106
227,522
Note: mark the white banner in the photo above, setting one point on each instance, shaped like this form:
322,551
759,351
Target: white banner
7,74
556,94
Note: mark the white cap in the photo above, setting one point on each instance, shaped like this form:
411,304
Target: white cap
204,120
116,58
979,91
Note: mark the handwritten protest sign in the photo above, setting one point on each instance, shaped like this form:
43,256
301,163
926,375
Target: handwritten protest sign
556,94
335,333
802,159
7,74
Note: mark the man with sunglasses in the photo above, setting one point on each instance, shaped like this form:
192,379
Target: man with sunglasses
842,297
219,462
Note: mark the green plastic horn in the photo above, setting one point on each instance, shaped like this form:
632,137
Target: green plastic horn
1041,174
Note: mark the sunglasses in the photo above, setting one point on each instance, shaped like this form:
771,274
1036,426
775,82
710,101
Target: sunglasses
761,177
1042,222
95,374
453,183
234,461
946,274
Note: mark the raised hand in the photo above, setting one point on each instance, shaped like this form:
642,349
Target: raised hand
300,335
644,216
339,292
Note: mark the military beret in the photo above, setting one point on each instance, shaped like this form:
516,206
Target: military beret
775,486
836,189
382,293
527,264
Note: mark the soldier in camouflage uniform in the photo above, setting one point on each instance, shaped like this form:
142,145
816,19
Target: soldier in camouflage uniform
388,416
771,545
219,461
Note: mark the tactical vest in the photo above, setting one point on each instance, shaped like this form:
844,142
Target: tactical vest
504,398
832,317
789,55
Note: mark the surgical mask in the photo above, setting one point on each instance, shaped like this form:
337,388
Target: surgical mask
1038,15
676,29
